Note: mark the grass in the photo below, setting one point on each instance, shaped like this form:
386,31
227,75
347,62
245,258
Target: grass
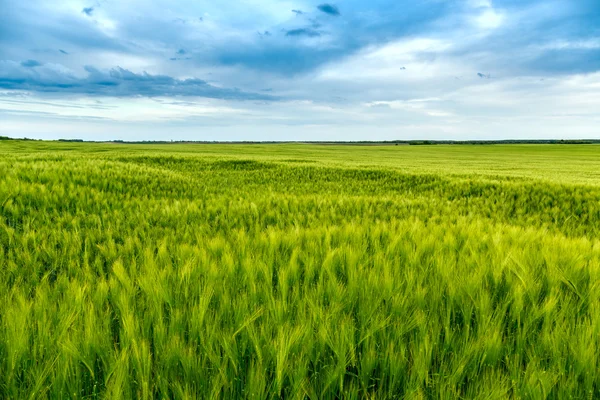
299,271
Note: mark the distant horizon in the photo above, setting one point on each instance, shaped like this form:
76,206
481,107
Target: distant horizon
358,142
300,70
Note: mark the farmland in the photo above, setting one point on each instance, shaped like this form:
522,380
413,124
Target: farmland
299,271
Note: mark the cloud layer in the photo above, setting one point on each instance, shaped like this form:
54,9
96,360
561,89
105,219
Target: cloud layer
329,64
117,82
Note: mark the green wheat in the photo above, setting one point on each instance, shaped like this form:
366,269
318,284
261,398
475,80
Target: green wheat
299,271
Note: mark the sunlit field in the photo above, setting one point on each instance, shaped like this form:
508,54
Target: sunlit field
299,271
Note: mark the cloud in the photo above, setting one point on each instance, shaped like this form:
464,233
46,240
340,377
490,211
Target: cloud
29,114
489,19
30,63
566,60
507,26
62,51
329,9
22,35
181,52
308,32
364,26
116,82
21,99
281,59
311,55
88,11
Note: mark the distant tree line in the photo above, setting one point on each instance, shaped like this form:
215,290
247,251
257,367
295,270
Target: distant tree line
390,142
362,142
9,138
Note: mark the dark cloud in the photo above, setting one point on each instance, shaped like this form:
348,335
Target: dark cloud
117,82
31,63
286,58
298,12
88,11
483,76
364,26
181,52
329,9
62,51
303,32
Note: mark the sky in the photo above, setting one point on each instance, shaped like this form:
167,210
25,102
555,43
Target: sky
300,70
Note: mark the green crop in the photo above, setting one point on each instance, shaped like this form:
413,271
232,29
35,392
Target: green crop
299,271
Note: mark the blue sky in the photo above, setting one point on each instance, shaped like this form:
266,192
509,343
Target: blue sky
300,70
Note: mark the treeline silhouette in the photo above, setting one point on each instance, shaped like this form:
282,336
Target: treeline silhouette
360,142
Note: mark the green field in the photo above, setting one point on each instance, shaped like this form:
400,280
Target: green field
299,271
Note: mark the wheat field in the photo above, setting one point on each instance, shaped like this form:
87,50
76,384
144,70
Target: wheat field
299,271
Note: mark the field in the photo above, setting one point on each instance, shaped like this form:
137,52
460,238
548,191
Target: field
299,271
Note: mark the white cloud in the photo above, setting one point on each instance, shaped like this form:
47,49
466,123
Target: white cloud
489,19
586,44
480,3
404,60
